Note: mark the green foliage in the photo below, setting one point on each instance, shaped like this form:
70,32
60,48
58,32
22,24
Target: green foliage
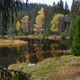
71,31
75,9
76,37
38,52
20,33
12,75
47,21
60,7
54,47
7,10
66,11
48,67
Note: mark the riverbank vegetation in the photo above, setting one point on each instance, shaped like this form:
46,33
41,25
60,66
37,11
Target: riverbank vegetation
61,68
41,31
12,43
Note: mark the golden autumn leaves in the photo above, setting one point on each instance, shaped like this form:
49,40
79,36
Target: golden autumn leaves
55,22
18,26
23,23
39,22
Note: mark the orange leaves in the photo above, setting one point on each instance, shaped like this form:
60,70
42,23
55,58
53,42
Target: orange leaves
38,52
13,43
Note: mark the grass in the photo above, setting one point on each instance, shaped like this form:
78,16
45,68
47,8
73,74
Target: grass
28,36
62,68
11,43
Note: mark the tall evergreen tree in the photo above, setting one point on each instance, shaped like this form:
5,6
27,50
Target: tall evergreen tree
7,10
60,6
66,11
76,38
75,9
74,12
54,4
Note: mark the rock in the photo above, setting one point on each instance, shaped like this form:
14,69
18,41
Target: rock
31,64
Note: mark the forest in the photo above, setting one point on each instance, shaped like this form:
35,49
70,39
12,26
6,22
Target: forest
39,41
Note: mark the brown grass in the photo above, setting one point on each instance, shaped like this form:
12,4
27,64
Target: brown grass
67,72
13,43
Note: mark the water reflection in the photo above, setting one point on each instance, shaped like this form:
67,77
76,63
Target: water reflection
39,50
33,52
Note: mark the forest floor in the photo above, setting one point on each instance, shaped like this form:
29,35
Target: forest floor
61,68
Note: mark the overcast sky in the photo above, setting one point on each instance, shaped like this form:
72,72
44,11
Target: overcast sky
50,2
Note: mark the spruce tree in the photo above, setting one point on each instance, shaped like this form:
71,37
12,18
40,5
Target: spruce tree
76,38
60,6
7,10
66,11
75,9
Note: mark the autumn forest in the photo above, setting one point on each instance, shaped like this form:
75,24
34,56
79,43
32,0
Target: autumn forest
39,41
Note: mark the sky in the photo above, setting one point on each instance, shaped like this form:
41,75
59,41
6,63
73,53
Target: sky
49,2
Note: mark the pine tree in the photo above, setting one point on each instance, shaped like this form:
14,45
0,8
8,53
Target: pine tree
66,11
7,10
75,9
60,6
54,4
76,38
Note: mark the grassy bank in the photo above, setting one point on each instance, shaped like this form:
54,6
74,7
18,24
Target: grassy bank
11,43
62,68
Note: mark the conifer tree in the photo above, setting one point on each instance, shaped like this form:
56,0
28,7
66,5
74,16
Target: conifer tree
7,10
75,9
76,38
66,11
60,7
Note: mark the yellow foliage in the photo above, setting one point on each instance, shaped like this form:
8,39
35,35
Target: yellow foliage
55,22
38,52
18,25
24,22
39,20
11,43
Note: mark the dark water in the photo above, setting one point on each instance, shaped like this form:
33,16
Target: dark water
43,49
34,51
